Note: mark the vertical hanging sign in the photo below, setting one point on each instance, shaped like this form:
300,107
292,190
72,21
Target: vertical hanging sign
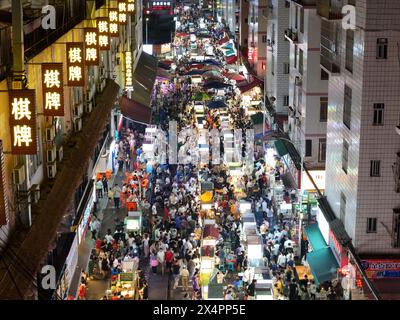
23,121
75,64
122,17
131,6
113,24
91,47
128,71
53,89
103,28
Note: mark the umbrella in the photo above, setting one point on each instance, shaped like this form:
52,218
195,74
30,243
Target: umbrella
217,104
231,60
216,85
194,72
212,73
213,62
235,76
200,96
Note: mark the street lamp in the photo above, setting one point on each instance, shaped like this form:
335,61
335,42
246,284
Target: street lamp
147,20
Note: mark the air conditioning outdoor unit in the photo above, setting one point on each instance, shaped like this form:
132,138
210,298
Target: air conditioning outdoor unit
35,193
50,134
89,106
51,170
19,174
298,81
78,124
60,154
51,155
78,110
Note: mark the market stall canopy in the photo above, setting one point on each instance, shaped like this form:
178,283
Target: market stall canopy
161,73
217,85
144,78
315,237
182,34
244,87
213,62
135,111
280,147
232,60
194,72
218,104
323,264
235,76
210,231
212,73
212,67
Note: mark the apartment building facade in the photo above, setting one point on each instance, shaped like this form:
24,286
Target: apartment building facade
363,146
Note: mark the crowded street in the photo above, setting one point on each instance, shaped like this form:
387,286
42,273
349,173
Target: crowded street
212,220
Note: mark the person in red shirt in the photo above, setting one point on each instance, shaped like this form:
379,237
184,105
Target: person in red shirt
169,258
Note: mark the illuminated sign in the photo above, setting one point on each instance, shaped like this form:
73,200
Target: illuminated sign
122,10
23,121
376,269
318,177
91,47
103,28
337,249
128,71
131,6
75,63
53,89
113,24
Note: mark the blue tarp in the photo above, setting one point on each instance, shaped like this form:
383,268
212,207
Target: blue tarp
217,104
315,237
323,264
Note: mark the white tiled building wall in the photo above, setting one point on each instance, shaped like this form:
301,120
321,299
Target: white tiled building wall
277,81
372,81
312,88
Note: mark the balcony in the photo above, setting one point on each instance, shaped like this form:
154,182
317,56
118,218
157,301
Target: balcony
330,55
330,9
291,35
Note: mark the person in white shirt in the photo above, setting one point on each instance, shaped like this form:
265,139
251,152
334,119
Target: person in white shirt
161,260
282,261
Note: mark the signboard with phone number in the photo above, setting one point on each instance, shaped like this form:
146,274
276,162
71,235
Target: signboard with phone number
376,269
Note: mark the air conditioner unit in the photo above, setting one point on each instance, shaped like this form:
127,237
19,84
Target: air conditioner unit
78,110
35,193
51,155
297,121
19,174
60,154
78,124
51,170
298,81
50,134
89,106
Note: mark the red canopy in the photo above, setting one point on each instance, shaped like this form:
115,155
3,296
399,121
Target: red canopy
231,59
182,34
224,40
235,76
246,86
210,231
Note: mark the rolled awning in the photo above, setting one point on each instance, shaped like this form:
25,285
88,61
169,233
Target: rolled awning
135,111
280,147
144,78
323,265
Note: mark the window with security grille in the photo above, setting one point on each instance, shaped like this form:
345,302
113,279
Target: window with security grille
345,156
382,48
379,109
349,49
375,170
347,106
323,109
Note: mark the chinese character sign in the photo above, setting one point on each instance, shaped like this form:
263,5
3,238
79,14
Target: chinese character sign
23,121
122,9
52,88
103,27
91,47
128,71
113,25
131,6
75,64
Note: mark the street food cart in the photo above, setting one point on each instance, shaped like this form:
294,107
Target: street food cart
133,222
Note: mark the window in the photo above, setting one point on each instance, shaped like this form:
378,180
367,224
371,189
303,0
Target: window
342,207
379,109
375,170
273,66
301,61
295,55
287,4
285,101
246,20
345,156
286,68
349,49
296,20
396,228
322,150
371,225
323,109
308,148
264,39
381,48
302,20
347,106
324,75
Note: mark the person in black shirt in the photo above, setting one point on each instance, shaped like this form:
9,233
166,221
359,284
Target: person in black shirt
293,291
251,290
